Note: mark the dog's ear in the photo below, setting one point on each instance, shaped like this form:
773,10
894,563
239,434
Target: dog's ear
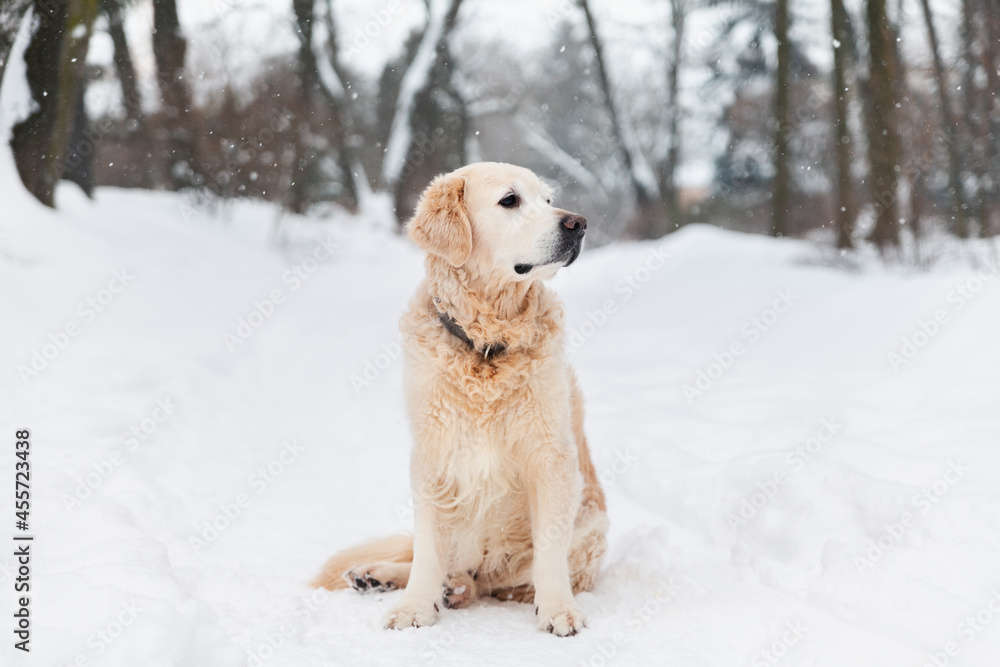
441,223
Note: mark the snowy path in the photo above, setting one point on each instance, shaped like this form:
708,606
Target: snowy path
746,518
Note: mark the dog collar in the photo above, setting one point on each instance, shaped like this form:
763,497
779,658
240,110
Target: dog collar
455,329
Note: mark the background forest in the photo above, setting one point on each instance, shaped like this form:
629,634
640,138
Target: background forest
851,121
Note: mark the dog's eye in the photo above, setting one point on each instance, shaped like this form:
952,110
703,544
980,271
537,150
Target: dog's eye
548,200
510,201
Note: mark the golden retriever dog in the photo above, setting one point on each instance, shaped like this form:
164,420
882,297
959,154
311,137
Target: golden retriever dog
506,499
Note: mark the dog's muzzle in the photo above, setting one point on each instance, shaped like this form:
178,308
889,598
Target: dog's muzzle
573,228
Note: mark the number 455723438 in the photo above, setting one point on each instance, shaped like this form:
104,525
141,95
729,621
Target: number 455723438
22,479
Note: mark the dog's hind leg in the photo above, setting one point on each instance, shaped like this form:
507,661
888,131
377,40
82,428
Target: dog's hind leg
389,559
378,577
524,593
587,552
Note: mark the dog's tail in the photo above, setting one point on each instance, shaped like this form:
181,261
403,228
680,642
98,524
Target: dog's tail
391,549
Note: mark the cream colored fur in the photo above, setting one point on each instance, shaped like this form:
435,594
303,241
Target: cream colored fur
507,502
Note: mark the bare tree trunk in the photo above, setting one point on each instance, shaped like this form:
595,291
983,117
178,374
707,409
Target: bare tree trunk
641,176
131,98
883,140
310,84
169,51
332,51
78,163
958,222
343,122
991,63
844,202
305,155
55,60
415,81
124,67
781,193
668,170
973,162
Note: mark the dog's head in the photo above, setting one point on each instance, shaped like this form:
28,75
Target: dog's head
497,220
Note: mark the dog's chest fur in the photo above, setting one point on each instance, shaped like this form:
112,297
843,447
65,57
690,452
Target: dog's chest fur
483,417
478,419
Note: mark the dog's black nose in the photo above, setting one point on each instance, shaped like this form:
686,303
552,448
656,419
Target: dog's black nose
574,223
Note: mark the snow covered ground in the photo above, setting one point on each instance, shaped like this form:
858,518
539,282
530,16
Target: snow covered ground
213,414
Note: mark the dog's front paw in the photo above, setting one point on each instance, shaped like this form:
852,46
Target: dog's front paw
406,615
563,620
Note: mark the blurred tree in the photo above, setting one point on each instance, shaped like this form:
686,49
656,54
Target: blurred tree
334,86
744,170
122,58
781,193
323,110
974,143
56,62
769,126
909,175
305,173
844,201
883,140
991,64
980,89
134,135
169,51
78,162
668,166
643,182
416,80
951,134
438,128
